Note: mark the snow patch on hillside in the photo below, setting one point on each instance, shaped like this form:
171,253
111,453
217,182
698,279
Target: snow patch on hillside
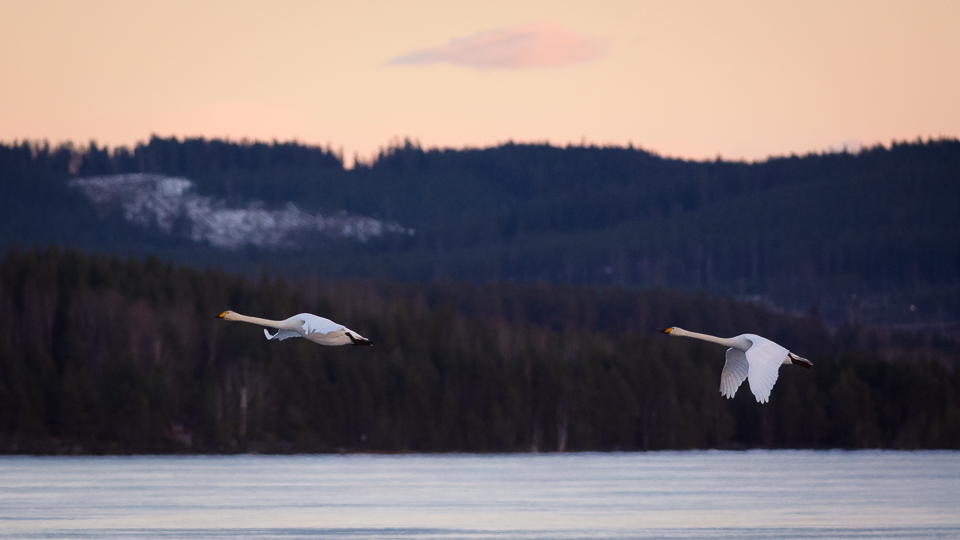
172,205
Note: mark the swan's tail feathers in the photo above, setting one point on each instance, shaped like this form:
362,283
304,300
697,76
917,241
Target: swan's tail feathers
802,362
359,340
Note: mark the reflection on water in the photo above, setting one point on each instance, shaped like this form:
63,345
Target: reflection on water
757,494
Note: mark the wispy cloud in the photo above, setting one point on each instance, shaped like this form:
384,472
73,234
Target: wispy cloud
530,45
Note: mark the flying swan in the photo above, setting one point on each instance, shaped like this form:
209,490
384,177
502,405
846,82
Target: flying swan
749,356
305,325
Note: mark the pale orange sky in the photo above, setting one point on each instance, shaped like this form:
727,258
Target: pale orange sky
687,79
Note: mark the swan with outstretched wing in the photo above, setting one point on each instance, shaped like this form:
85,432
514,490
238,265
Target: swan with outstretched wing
305,325
750,357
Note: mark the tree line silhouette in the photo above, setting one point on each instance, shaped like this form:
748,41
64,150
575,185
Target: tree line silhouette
104,355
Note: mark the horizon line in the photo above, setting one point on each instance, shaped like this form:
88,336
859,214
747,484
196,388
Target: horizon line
847,147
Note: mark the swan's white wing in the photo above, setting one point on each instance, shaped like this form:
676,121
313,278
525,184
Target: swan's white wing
314,325
735,370
327,332
765,358
281,334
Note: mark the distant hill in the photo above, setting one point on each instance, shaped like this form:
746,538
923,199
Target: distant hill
872,236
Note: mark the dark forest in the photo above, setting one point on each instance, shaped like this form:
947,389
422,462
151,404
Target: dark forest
104,355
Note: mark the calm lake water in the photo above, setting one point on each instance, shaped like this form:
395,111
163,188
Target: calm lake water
756,494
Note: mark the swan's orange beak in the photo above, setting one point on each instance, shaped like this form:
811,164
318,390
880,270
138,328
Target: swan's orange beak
668,330
222,315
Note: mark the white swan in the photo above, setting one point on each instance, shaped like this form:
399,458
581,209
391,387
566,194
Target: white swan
749,356
305,325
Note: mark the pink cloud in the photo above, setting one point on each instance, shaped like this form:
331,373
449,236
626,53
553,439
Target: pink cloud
530,45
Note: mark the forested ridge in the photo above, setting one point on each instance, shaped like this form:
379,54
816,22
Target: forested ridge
106,355
860,236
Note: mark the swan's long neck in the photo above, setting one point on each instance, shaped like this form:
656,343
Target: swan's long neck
255,320
726,342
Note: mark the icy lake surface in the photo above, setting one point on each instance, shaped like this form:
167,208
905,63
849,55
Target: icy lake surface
755,494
